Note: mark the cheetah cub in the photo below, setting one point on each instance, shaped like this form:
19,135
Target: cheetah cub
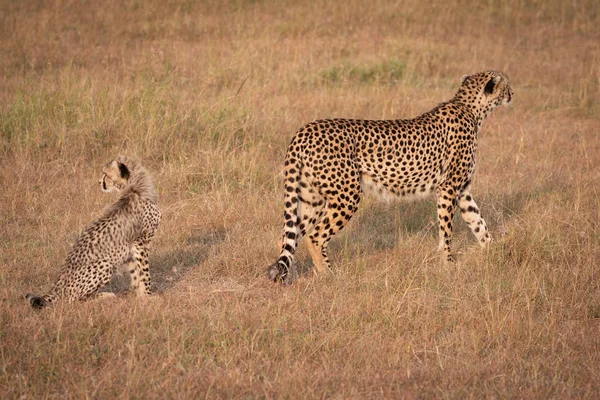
119,238
329,164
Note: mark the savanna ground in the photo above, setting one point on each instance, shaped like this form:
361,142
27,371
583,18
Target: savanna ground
208,95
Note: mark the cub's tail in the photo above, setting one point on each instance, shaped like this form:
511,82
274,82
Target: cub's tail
36,301
53,295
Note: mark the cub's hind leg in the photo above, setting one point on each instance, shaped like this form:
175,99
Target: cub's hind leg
85,281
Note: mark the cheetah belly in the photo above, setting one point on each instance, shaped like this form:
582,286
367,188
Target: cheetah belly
407,190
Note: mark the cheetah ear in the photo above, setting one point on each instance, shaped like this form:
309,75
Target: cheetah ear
464,78
491,85
124,171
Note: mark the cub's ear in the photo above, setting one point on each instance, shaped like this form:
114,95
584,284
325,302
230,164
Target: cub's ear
124,171
464,78
491,85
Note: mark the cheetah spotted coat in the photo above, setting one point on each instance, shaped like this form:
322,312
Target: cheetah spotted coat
120,237
329,164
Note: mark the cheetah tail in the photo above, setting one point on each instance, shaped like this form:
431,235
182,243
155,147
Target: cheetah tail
284,270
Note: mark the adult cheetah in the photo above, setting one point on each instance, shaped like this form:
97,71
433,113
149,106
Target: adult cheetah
330,163
120,237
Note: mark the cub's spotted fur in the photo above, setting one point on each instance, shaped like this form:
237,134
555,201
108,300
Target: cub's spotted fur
120,236
330,163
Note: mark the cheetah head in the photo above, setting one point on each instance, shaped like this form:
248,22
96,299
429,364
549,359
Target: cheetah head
115,175
485,91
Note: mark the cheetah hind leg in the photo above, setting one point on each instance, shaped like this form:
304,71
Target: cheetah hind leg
281,272
301,214
328,226
320,263
334,217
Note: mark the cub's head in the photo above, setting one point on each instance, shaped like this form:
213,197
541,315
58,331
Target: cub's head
485,90
115,175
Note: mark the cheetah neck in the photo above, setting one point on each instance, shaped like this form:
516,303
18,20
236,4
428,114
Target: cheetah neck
477,110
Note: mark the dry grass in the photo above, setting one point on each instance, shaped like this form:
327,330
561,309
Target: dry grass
208,95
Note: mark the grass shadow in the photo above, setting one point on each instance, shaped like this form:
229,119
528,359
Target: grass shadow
381,225
168,268
377,226
498,209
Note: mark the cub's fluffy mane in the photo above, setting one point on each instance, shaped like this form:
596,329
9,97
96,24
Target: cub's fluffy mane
139,181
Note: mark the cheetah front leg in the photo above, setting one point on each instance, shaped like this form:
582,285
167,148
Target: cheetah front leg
471,215
446,204
139,269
